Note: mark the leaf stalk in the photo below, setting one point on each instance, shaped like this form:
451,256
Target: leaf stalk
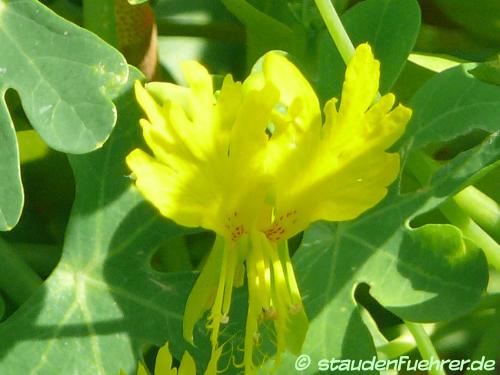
425,346
336,29
17,279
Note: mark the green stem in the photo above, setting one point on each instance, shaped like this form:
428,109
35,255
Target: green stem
41,258
473,232
336,29
488,344
17,279
99,17
425,346
481,208
423,167
489,301
396,348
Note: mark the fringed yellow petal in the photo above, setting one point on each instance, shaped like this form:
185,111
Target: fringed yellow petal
202,98
251,123
347,168
385,125
163,364
359,186
361,83
149,105
141,370
212,363
172,190
187,366
164,92
203,293
228,103
295,91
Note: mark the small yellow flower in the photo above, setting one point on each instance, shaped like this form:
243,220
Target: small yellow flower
254,163
163,365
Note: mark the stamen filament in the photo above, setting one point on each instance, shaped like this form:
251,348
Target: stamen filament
284,255
254,310
216,312
263,270
232,255
279,279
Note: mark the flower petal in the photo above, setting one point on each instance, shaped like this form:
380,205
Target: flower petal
203,293
361,83
187,366
180,194
295,90
163,364
345,169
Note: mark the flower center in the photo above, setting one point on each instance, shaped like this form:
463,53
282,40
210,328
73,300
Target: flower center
277,230
236,229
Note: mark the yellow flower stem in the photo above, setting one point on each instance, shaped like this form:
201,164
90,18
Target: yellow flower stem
336,29
425,346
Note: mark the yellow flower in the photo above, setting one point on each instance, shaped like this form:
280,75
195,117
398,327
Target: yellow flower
254,163
163,365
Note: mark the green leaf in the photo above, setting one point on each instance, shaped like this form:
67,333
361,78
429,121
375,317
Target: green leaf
265,32
488,71
135,2
479,17
450,104
390,26
65,77
435,63
2,307
103,302
418,69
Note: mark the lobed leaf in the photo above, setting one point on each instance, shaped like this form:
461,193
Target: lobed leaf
103,303
65,77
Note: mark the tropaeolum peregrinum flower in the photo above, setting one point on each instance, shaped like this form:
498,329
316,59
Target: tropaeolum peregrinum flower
254,163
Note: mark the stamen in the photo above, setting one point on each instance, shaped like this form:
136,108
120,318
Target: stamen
261,264
235,230
293,288
271,314
254,310
215,314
